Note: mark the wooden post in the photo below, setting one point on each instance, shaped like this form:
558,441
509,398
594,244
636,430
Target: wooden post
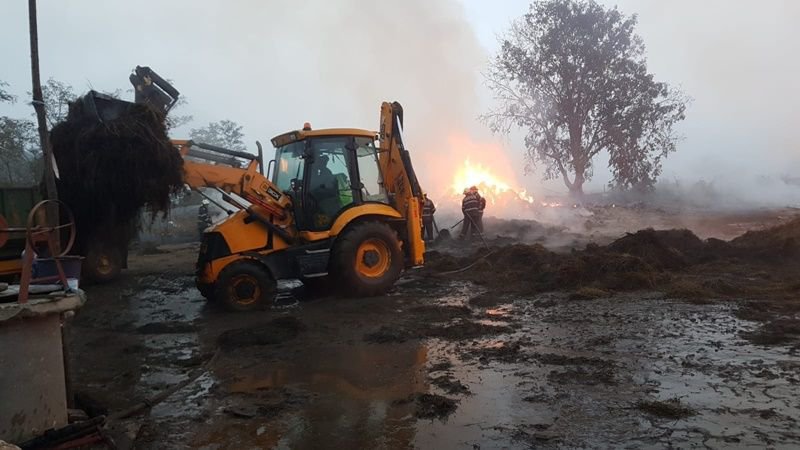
50,185
38,105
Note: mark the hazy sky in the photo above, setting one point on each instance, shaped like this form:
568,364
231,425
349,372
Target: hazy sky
272,65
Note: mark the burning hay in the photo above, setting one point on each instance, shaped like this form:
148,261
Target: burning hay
111,170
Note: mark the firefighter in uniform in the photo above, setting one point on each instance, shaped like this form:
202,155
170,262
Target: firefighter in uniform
471,207
428,209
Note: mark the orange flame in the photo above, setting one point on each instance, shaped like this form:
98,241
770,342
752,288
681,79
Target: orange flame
477,175
493,188
463,162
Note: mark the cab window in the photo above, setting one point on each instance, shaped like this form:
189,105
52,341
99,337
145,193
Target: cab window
289,166
329,185
369,172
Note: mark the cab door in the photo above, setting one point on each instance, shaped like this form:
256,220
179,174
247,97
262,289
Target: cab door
328,181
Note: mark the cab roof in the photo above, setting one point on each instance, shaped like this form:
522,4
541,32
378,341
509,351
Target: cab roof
299,135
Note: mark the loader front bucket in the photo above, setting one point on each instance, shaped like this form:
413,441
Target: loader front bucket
102,107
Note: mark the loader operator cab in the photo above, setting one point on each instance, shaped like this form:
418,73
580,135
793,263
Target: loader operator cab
326,172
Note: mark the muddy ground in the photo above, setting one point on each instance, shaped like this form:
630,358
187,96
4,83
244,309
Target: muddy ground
448,360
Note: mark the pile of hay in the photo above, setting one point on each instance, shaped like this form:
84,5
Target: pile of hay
109,172
643,260
663,249
777,243
533,268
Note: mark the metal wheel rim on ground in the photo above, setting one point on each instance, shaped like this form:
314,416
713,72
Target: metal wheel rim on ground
238,295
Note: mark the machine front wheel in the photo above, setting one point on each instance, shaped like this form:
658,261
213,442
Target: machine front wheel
368,259
245,286
206,290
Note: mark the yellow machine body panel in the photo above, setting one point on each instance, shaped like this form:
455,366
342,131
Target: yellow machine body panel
246,182
240,235
245,236
348,216
400,179
300,135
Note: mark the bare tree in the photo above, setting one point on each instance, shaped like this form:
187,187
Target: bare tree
225,133
57,95
175,120
573,75
4,95
17,151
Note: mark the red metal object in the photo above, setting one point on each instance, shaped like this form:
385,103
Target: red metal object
40,239
94,438
3,231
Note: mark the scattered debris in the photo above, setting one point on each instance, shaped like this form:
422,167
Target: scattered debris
465,330
450,384
430,406
257,410
441,313
441,366
275,331
554,359
775,332
588,376
166,328
669,409
499,351
687,289
150,248
487,299
589,293
388,335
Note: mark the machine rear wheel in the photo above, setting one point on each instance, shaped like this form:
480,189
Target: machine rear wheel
368,259
103,263
245,286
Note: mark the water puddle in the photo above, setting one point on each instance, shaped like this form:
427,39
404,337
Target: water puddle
542,372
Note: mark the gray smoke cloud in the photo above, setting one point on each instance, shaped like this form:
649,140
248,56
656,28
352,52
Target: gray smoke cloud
736,59
274,65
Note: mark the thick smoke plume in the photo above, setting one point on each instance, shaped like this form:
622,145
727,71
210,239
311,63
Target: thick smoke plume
349,56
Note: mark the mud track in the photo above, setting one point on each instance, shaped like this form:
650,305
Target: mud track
446,362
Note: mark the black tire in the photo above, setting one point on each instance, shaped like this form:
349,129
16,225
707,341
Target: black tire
102,263
380,263
245,286
206,290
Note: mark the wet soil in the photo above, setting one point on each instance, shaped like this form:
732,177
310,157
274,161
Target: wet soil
444,362
669,409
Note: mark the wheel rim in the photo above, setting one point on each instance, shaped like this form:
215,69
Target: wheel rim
104,266
244,289
373,258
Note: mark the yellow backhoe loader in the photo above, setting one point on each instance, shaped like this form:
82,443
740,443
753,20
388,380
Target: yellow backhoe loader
342,209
